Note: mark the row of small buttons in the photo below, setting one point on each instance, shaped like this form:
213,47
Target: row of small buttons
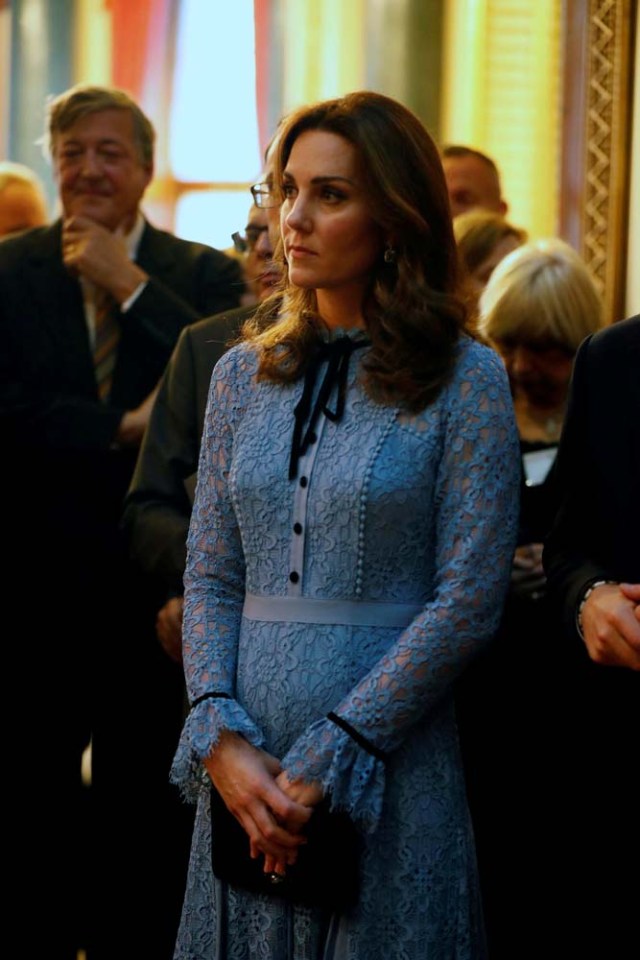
294,576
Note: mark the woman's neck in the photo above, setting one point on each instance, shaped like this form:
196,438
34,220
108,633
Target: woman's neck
538,424
341,309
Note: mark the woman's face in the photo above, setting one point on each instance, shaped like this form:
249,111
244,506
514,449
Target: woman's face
539,371
330,240
479,277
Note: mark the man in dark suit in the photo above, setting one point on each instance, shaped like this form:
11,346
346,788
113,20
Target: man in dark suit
90,310
592,561
158,504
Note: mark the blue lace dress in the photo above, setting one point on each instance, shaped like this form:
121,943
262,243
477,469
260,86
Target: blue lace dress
389,511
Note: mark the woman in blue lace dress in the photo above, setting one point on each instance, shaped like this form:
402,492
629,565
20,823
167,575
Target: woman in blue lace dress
349,551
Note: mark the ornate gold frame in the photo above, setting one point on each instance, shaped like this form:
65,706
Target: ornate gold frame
594,195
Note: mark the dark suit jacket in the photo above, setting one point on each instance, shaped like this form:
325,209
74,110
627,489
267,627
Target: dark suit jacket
66,481
48,387
158,504
596,535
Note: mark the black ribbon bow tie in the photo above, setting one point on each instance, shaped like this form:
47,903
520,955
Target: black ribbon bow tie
337,354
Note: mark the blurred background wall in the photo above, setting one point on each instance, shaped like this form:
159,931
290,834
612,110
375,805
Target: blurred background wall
215,77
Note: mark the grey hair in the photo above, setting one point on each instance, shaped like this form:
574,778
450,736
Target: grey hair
81,101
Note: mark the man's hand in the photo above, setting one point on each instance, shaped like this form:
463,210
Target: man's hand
134,422
632,592
169,627
611,625
91,251
528,580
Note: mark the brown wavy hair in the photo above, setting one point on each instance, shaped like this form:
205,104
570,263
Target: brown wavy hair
412,313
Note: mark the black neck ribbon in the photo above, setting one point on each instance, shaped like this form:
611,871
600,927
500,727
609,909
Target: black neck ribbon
337,354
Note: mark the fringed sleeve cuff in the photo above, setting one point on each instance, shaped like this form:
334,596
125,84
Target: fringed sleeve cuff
200,734
352,777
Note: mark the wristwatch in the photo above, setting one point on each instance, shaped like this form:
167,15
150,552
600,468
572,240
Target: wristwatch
585,597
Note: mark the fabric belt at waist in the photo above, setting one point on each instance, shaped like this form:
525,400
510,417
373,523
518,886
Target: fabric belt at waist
349,612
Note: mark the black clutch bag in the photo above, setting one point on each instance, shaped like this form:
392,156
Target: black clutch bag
324,875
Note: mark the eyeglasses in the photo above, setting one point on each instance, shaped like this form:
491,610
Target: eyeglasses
250,239
264,196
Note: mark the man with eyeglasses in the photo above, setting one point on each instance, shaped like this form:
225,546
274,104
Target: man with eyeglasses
260,272
158,504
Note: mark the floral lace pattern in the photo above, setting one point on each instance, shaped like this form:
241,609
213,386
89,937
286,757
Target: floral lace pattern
387,507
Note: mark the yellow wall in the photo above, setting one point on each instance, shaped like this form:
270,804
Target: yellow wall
323,49
501,94
5,73
92,42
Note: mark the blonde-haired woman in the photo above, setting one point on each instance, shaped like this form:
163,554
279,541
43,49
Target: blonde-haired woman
538,306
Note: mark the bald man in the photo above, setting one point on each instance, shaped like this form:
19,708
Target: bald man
473,180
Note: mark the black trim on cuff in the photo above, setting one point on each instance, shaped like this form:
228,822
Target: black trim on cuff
211,696
359,739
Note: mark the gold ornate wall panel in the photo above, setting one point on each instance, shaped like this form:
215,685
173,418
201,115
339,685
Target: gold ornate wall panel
596,153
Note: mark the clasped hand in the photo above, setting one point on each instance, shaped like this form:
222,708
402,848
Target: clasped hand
611,625
271,809
527,574
169,627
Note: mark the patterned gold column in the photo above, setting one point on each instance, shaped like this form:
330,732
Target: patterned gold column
597,140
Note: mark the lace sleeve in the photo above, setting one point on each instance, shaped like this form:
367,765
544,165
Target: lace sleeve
476,527
214,583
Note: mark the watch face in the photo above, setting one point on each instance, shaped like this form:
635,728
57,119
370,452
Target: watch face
537,464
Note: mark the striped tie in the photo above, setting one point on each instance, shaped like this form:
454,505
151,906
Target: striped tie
106,344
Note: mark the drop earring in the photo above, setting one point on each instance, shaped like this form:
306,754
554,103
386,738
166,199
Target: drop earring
389,253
